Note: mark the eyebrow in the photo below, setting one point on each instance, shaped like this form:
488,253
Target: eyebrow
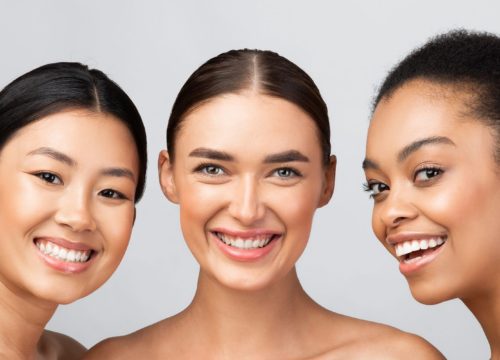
118,172
54,154
211,154
414,146
59,156
410,149
286,156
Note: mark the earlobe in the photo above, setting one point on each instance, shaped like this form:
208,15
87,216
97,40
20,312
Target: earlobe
329,181
166,176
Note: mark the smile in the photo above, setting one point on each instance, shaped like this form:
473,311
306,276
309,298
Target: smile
254,242
412,250
61,253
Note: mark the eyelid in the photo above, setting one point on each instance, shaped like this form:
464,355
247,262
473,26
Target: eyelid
41,172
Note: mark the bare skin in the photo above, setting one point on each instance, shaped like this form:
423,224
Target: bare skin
446,185
253,307
278,323
53,193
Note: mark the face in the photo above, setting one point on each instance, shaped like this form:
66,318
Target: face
436,188
248,176
67,188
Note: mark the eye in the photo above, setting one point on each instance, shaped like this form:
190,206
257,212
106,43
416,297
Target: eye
210,170
286,173
427,174
375,188
112,194
49,177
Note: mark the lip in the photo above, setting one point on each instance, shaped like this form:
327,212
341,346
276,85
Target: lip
246,255
61,265
406,236
408,269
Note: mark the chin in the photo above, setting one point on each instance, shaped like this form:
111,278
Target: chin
429,294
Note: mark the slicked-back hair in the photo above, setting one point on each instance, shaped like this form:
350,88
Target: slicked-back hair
464,60
264,71
56,87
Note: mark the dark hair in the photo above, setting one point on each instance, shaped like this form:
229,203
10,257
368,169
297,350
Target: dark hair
238,70
53,88
465,60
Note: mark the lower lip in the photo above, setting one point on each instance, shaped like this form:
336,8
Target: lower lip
245,255
411,268
64,266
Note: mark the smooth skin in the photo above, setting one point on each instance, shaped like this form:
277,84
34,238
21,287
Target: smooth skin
252,163
431,170
55,188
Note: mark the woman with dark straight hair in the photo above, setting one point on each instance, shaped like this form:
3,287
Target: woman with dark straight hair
72,166
248,160
433,170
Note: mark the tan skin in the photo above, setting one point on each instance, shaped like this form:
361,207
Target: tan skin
446,184
255,165
79,201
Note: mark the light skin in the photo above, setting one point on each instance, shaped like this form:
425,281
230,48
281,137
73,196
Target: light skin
58,190
250,166
431,170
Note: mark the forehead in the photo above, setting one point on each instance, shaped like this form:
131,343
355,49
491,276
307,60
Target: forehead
418,110
248,121
81,135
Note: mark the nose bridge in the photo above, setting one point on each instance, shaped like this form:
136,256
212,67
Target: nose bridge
246,203
75,208
398,206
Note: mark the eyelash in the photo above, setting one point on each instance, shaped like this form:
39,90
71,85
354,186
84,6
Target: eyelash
203,169
294,172
45,175
115,194
49,178
436,171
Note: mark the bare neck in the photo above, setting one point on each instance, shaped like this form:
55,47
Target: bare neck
22,320
486,309
242,321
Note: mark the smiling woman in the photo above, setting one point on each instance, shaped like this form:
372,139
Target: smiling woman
432,168
69,178
249,162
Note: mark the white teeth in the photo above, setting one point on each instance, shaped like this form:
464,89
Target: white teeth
410,246
61,253
254,243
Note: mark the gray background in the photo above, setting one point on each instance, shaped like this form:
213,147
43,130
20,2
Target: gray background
150,48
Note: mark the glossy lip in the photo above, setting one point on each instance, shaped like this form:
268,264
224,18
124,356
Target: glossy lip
246,255
64,266
410,268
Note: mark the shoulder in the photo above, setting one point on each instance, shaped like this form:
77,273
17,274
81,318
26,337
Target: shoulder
372,340
59,346
148,342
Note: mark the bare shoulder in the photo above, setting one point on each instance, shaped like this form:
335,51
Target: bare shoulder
370,340
54,345
148,342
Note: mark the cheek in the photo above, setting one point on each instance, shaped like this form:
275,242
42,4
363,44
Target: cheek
116,228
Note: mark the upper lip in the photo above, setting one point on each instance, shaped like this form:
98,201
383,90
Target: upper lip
251,233
407,236
79,246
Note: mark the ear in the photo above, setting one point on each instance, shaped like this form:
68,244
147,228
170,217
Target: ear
166,175
329,181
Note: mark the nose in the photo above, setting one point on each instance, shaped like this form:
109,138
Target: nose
75,211
397,208
245,203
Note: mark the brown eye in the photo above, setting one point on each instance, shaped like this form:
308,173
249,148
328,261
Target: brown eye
112,194
49,177
427,174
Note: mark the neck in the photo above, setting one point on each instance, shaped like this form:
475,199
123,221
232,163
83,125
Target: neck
486,309
240,321
22,320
